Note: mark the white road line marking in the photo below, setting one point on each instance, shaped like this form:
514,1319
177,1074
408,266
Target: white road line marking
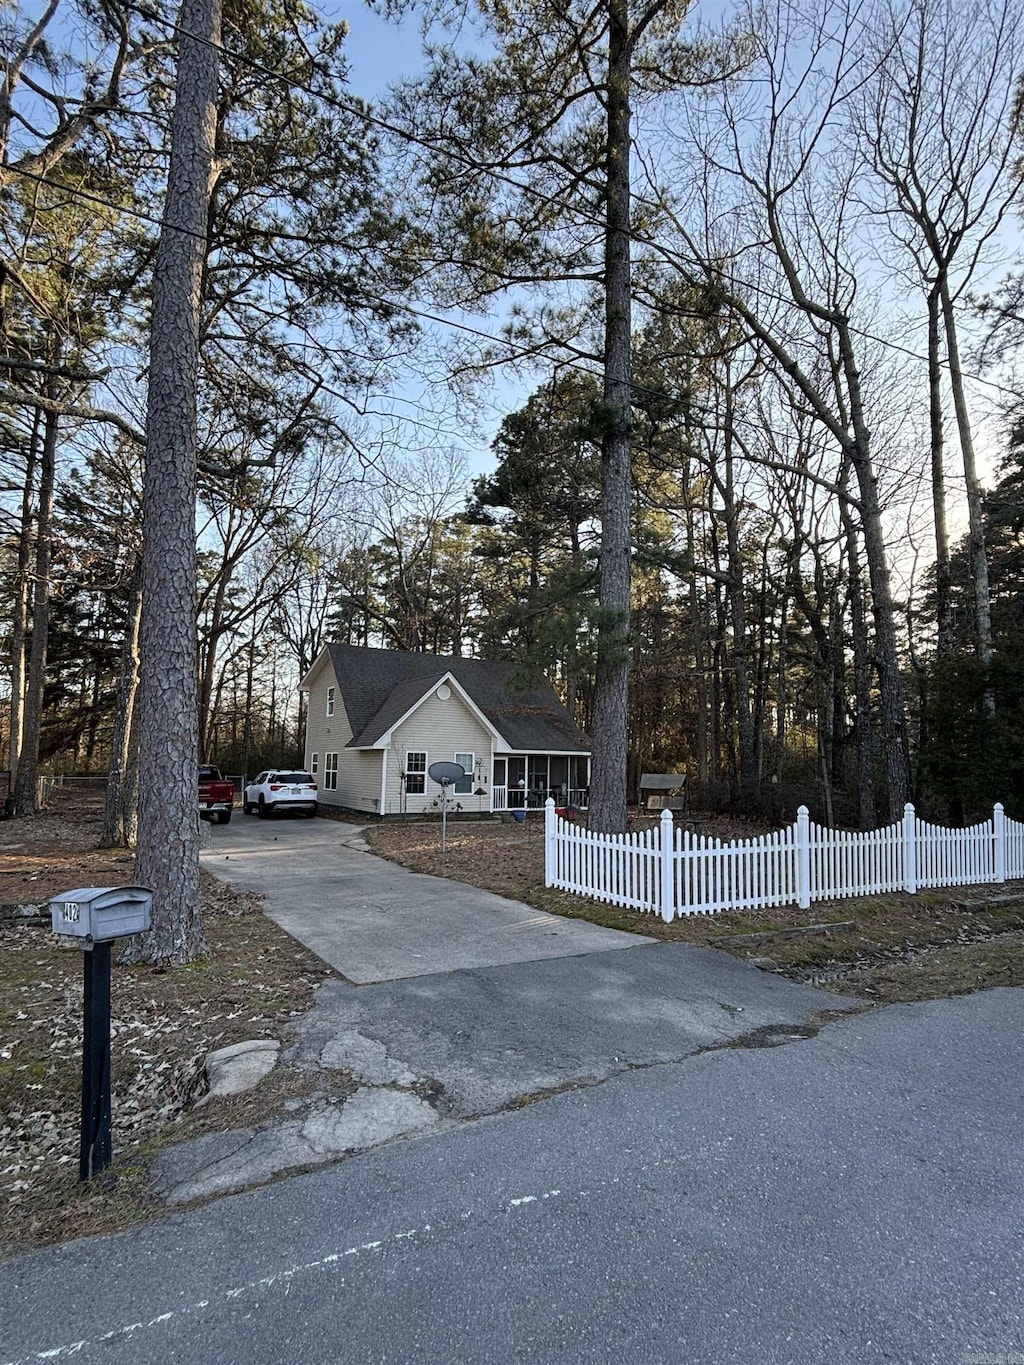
532,1198
264,1282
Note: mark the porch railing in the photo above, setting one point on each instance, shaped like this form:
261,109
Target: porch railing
518,798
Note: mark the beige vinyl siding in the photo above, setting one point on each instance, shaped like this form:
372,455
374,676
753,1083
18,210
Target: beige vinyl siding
359,780
328,734
441,729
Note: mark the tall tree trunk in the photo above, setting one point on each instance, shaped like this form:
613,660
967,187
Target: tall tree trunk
737,607
250,668
762,664
697,639
826,733
975,512
890,679
130,787
207,683
837,657
115,833
26,782
96,692
861,674
721,715
781,691
943,569
23,595
168,844
608,774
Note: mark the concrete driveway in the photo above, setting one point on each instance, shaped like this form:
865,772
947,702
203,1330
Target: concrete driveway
372,920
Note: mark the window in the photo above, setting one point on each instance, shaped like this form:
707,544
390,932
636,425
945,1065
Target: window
330,772
314,764
464,786
330,702
415,772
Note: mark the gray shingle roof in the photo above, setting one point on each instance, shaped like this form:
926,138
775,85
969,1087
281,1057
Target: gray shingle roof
378,686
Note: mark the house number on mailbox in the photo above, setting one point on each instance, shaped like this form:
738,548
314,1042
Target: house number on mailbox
70,912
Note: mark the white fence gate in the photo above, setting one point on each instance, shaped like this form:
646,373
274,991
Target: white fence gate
672,872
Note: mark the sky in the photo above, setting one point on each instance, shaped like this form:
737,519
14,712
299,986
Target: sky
418,408
382,53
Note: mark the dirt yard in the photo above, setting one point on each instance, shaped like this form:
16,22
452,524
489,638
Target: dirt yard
164,1022
884,948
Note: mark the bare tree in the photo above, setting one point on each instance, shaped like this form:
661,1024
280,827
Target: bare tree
938,123
783,265
407,501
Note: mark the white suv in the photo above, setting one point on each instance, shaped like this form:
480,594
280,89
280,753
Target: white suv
279,789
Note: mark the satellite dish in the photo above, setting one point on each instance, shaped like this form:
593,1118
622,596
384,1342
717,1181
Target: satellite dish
444,774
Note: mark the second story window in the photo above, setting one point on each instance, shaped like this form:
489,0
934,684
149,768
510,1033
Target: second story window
330,701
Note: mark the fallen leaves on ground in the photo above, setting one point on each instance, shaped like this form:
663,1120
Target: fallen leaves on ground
163,1023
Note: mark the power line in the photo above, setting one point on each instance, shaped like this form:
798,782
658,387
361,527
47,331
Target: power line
427,316
359,110
424,314
97,199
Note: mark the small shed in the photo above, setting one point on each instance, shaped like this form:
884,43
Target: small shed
664,791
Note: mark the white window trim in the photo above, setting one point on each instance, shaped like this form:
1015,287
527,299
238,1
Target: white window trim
470,771
426,764
330,772
314,762
330,701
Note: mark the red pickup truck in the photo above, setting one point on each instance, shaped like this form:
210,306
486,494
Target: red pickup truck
216,796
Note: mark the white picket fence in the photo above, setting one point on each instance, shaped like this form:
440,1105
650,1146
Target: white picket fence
670,872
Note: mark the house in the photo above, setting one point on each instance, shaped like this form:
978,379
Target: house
378,718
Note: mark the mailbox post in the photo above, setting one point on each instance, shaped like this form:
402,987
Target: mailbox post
94,916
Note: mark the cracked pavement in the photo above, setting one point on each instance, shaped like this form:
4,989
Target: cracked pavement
431,1052
458,1003
854,1198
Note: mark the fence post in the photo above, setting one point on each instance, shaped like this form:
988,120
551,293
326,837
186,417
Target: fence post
909,849
803,858
668,883
549,841
999,842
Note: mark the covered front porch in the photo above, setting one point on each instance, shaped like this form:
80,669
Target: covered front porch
525,781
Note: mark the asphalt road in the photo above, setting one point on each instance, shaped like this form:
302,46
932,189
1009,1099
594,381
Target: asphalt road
855,1197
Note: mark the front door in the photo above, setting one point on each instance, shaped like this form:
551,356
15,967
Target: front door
516,782
499,785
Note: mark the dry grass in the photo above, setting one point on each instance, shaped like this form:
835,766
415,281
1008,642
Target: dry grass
899,947
164,1022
